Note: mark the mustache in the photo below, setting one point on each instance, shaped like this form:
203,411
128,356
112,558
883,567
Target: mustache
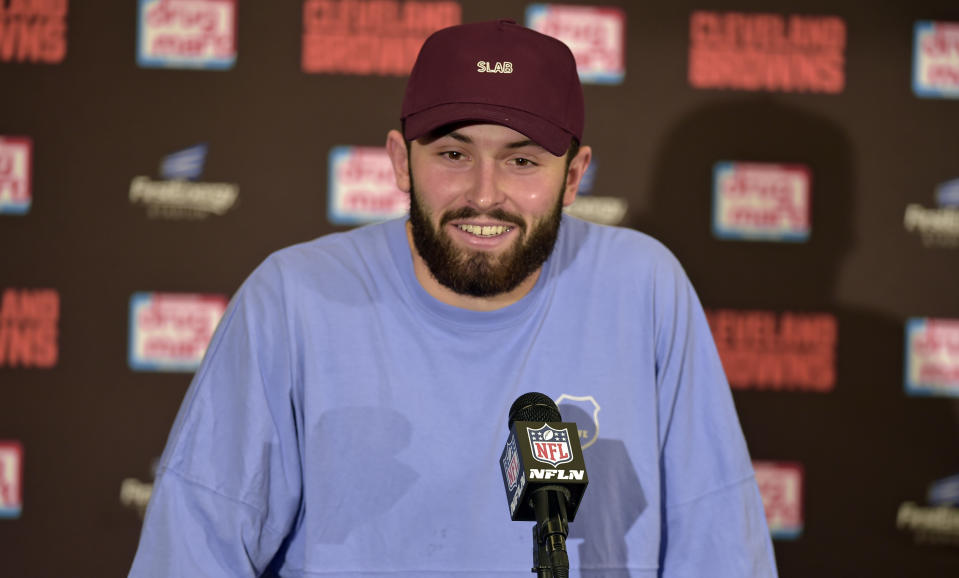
470,212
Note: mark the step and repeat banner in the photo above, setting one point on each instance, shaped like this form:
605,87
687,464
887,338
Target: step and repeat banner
801,161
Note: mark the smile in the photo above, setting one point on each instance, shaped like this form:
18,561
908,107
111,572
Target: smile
485,230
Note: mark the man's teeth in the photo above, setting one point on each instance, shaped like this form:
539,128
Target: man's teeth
485,231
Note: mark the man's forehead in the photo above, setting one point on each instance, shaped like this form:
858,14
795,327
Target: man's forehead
472,133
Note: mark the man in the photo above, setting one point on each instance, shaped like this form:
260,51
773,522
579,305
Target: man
350,412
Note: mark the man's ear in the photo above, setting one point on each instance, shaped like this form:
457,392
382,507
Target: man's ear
396,148
577,168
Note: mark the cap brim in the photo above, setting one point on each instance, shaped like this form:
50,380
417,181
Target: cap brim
549,136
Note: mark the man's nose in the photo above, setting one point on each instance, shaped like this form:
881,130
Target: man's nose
486,191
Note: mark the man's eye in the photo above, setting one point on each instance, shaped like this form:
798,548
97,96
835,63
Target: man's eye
521,162
452,155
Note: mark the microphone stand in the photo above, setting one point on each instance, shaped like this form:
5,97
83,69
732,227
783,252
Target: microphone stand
550,559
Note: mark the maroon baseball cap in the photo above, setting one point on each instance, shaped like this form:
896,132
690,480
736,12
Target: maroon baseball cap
497,72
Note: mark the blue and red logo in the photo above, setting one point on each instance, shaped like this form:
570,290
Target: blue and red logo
511,463
15,175
935,68
550,445
187,34
11,478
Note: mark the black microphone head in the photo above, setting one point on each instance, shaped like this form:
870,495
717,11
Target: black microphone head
533,406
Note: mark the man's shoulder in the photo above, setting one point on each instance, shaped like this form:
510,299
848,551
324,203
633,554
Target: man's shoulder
337,259
616,246
336,249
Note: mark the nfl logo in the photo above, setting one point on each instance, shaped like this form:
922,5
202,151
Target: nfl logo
511,463
549,445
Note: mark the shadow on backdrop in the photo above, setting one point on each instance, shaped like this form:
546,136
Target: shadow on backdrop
865,446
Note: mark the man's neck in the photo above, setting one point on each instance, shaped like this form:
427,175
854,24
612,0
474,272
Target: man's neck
446,295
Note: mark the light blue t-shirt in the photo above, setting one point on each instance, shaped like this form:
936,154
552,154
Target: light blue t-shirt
346,423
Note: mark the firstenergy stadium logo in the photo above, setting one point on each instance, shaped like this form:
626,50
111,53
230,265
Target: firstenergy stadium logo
178,195
936,226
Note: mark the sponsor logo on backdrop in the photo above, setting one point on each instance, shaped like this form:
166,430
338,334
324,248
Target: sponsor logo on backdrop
935,70
781,488
369,37
788,351
761,202
937,227
595,35
16,192
29,328
588,431
178,195
944,492
595,208
135,493
932,357
767,52
171,331
33,31
362,187
937,522
186,34
11,479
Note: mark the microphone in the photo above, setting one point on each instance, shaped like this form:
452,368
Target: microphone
545,476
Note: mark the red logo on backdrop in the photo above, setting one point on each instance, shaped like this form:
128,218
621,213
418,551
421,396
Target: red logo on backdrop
187,34
936,59
171,331
33,31
363,187
781,488
767,52
932,356
761,201
29,328
16,169
595,35
11,479
369,37
782,352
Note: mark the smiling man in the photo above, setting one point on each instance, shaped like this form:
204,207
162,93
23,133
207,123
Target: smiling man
349,415
486,211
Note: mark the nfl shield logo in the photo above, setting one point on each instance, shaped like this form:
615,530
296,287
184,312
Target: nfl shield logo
549,445
511,463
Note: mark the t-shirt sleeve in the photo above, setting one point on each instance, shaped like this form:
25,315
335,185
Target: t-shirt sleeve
229,482
713,518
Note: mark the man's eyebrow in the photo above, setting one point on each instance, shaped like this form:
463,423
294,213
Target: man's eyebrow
460,137
524,143
513,145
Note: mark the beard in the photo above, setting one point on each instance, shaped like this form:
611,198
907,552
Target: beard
478,273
